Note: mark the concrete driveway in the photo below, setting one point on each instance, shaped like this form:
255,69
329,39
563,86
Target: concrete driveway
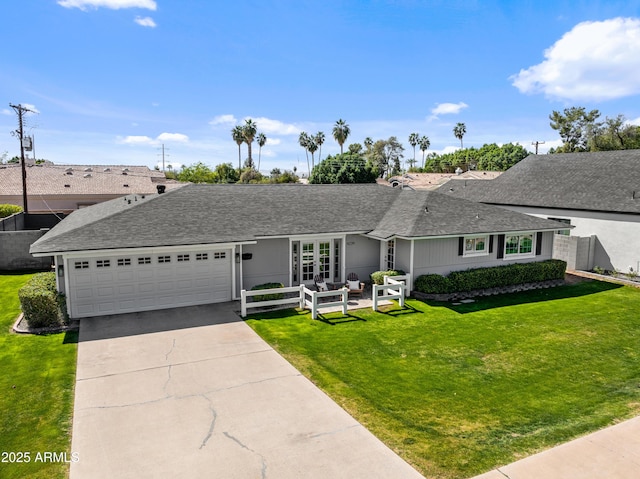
194,392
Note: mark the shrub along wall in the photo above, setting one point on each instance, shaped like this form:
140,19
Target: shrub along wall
377,277
42,305
496,277
268,297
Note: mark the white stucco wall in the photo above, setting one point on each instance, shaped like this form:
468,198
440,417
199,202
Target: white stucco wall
617,235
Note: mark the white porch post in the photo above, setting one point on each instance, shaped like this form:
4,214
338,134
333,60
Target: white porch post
343,262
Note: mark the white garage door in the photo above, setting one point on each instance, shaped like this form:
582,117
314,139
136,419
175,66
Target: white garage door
123,284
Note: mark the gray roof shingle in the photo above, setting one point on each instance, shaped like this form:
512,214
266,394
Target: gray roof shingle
599,181
207,214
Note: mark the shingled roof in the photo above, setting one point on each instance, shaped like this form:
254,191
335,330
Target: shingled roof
55,180
606,181
206,214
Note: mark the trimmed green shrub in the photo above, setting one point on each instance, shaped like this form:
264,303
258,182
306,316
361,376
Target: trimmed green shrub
498,276
433,284
8,210
377,277
41,304
268,297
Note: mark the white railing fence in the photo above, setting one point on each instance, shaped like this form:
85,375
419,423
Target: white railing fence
404,279
315,305
244,294
394,287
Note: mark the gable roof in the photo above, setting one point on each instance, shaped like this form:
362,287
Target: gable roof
606,181
52,180
208,214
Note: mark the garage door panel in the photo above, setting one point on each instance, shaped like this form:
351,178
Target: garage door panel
126,286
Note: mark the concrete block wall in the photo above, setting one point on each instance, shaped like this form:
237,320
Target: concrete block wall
14,222
575,250
14,251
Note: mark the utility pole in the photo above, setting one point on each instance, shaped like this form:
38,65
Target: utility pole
163,157
536,143
20,110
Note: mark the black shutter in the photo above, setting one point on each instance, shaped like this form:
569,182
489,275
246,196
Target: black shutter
490,243
500,246
538,243
460,245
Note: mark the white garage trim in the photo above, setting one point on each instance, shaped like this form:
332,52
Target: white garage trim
142,280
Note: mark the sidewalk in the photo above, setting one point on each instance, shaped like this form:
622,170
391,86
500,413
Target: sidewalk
612,453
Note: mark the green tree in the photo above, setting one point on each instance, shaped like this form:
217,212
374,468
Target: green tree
386,156
226,173
459,131
576,127
341,132
303,141
197,173
414,139
250,175
355,148
319,139
312,147
424,146
249,132
262,140
344,168
238,136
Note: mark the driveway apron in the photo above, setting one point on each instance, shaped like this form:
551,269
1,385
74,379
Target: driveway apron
194,392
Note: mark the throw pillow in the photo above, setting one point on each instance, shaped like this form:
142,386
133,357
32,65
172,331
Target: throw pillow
323,286
354,284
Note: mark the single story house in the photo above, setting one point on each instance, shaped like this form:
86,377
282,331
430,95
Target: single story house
55,188
205,243
597,193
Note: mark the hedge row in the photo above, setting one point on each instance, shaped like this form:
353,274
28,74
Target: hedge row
42,305
268,297
377,277
8,210
482,278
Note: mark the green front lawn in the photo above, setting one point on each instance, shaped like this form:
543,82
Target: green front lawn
36,393
459,390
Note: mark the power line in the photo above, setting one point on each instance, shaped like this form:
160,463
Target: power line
536,143
163,155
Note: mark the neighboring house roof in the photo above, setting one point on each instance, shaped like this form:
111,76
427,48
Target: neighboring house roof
607,181
81,180
206,214
432,181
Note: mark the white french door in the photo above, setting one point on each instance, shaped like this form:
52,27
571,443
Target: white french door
315,259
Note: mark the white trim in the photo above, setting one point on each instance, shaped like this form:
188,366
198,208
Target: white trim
409,238
531,254
303,237
411,257
144,250
474,253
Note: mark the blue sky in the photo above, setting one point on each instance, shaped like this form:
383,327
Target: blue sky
113,80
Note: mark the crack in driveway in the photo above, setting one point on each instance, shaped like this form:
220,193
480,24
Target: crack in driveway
212,425
244,446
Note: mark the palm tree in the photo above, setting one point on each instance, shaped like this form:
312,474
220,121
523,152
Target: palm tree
262,140
368,143
312,146
414,138
458,131
238,136
341,132
249,132
303,140
424,146
319,139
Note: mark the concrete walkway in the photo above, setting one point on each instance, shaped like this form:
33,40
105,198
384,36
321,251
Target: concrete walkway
612,453
195,393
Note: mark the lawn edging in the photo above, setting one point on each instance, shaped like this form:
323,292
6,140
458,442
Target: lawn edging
514,288
20,326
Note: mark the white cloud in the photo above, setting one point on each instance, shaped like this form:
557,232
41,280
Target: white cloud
223,120
173,137
267,125
145,22
112,4
448,108
594,61
137,140
635,122
5,111
273,141
147,140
